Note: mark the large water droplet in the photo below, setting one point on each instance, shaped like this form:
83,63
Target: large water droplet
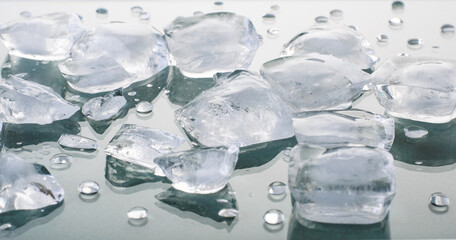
321,19
415,43
137,213
144,107
415,132
228,213
397,5
101,12
25,14
89,187
136,10
274,217
396,22
269,18
382,39
336,14
61,161
447,28
439,199
273,32
277,188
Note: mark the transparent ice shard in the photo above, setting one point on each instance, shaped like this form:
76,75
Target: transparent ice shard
417,88
104,108
339,128
141,145
77,142
200,170
113,56
48,37
315,82
216,42
29,102
346,185
240,110
337,40
26,187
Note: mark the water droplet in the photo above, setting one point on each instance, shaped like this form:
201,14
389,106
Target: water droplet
167,91
260,38
382,39
5,226
25,14
131,94
336,13
403,55
144,107
321,19
198,13
102,12
396,22
439,199
136,10
274,217
415,132
277,188
144,16
353,27
228,213
218,3
435,47
137,213
275,8
415,43
61,161
447,29
397,5
273,31
89,187
149,85
419,163
269,18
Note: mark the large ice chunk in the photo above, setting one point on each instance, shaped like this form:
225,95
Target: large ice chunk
417,88
315,82
115,55
29,102
215,42
339,128
141,145
240,110
337,40
26,186
200,170
48,37
346,185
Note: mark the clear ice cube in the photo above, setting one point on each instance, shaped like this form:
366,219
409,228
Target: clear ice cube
29,102
240,110
315,82
115,55
48,37
337,40
26,186
216,42
417,88
104,108
141,145
200,170
339,128
346,185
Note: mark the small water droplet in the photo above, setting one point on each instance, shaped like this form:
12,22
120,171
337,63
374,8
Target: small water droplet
5,226
439,199
89,187
61,161
218,3
353,27
396,22
269,18
419,163
321,19
277,188
403,55
415,43
336,14
228,213
136,10
25,14
149,85
137,213
382,39
435,47
101,12
260,38
144,16
131,94
447,29
397,5
144,107
415,132
167,91
274,217
273,31
198,13
275,8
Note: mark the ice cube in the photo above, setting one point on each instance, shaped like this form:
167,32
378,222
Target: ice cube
240,110
77,142
215,42
315,82
29,102
104,108
337,40
345,185
200,170
48,37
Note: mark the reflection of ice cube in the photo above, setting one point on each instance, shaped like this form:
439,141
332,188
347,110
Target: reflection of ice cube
200,170
240,110
115,55
337,40
346,185
339,128
216,42
420,89
315,82
29,102
47,37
